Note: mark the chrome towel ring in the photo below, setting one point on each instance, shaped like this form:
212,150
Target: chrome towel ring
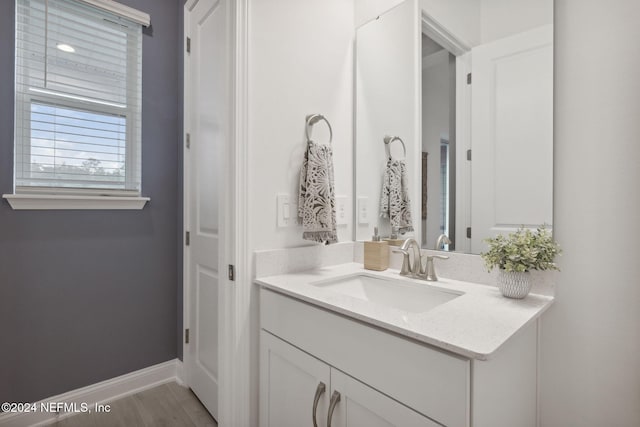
387,142
312,119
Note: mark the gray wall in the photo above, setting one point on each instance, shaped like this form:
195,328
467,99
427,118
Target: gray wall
86,296
591,335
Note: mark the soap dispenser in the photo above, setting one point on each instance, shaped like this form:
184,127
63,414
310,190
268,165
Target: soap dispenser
393,240
376,253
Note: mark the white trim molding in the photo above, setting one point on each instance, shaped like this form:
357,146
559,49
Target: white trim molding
99,393
441,35
130,13
68,202
180,373
236,398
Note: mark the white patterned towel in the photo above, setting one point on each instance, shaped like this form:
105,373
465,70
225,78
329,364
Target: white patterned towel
394,201
316,199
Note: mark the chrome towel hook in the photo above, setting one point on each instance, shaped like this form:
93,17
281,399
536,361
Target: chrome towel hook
312,119
389,139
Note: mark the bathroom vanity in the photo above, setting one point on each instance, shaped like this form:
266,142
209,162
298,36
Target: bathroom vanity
358,348
460,95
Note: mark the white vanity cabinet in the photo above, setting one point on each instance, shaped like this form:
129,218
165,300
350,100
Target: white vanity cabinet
296,386
383,379
360,405
293,385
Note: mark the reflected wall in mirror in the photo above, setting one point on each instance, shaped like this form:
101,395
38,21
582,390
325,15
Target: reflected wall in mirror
468,86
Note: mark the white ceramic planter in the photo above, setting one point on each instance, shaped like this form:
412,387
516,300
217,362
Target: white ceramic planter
514,284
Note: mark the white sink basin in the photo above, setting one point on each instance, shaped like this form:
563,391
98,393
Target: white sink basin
406,296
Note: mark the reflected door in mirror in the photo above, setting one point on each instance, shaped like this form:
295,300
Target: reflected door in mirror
512,134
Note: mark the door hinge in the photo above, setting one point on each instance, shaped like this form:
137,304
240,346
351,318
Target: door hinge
188,44
469,155
186,336
468,78
468,232
187,238
232,272
188,140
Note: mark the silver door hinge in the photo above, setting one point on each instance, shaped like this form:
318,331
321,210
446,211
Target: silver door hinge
187,238
468,78
188,140
469,155
468,232
188,44
186,336
232,273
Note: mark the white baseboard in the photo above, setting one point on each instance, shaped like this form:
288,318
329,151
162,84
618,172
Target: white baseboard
180,373
102,392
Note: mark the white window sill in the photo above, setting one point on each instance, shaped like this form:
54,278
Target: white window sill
70,202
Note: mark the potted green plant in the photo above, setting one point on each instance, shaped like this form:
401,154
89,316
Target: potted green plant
516,255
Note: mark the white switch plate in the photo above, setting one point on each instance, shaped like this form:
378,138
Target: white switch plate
284,210
341,210
363,210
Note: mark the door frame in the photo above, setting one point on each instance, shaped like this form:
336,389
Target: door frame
462,51
235,397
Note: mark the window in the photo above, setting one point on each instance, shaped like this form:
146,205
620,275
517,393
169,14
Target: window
78,99
445,202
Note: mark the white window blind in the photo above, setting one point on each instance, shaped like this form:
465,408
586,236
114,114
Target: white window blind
78,99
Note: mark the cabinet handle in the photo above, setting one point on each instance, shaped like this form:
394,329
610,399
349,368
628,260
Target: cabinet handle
335,398
319,390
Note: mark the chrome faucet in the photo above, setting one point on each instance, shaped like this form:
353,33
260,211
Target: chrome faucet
443,239
416,269
409,269
429,273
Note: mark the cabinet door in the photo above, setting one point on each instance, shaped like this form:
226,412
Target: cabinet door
290,382
360,405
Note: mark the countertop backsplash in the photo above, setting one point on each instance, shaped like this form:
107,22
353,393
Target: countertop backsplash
459,266
271,262
468,268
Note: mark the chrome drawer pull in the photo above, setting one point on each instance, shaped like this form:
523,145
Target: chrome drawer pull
335,398
321,388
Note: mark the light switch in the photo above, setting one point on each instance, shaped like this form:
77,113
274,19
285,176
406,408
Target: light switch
283,210
341,210
363,210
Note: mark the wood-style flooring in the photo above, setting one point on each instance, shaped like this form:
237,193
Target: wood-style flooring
166,405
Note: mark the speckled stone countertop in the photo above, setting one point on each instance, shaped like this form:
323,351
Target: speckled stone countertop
474,324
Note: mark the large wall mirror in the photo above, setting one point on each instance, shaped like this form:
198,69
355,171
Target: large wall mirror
454,121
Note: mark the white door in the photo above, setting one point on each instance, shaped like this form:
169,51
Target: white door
206,109
512,134
293,385
360,405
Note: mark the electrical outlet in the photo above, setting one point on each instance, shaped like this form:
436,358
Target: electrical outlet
341,210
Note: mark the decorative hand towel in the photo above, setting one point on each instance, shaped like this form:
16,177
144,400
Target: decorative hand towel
316,199
394,202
